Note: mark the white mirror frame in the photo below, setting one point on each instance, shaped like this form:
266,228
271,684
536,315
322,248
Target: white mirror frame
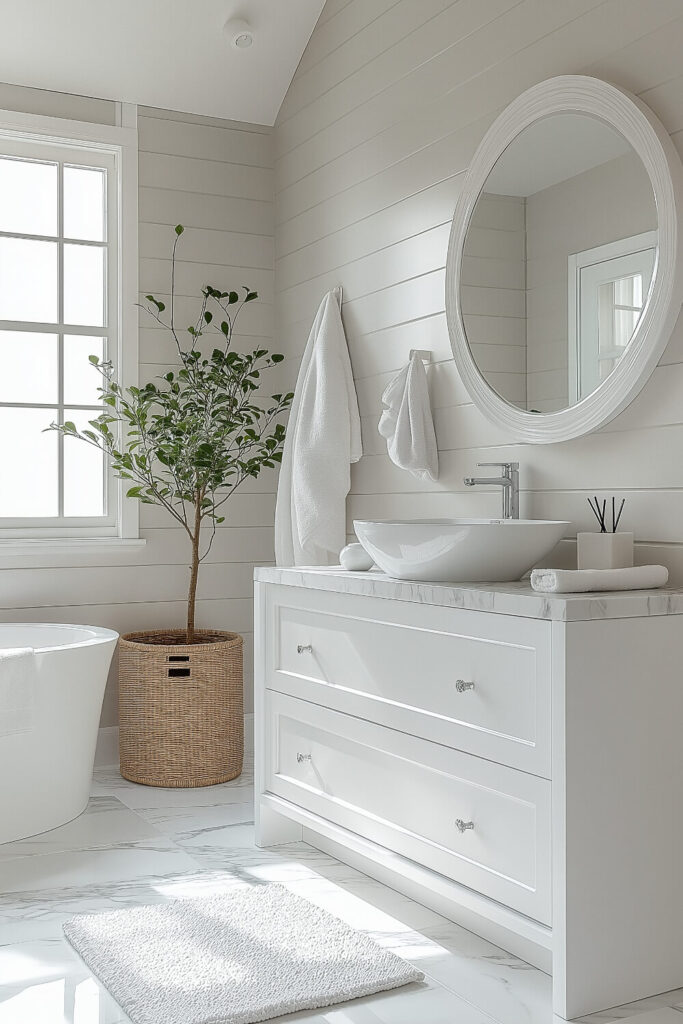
650,140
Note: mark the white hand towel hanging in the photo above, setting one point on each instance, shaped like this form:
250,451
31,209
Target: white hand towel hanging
323,439
407,423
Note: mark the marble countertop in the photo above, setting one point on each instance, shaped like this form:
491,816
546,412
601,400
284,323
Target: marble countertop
502,598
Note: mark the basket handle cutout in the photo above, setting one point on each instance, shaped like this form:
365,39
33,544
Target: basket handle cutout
179,657
177,672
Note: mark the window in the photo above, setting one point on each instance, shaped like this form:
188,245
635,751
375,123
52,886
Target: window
60,297
608,288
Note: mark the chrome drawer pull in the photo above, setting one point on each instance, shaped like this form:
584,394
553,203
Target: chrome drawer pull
463,826
463,685
303,757
301,648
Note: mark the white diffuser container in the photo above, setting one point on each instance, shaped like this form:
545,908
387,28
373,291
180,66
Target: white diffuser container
604,550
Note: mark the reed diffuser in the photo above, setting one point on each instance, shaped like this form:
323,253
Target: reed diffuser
606,549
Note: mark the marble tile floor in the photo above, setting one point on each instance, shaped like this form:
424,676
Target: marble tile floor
137,845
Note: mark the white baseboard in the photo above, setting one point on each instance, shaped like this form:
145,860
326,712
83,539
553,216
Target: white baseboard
107,750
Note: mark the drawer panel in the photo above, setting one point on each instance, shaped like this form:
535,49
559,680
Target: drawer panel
476,681
417,798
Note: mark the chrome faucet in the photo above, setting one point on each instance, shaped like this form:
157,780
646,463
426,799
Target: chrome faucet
508,482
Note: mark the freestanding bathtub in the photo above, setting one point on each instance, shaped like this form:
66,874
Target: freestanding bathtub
45,772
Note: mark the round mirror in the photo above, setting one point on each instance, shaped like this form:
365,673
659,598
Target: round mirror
562,278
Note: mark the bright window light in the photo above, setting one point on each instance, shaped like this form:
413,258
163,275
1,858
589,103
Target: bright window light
58,307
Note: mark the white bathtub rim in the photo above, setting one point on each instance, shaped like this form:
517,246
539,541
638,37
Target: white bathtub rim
98,635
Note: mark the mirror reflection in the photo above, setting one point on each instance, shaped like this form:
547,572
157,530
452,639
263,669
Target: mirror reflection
558,262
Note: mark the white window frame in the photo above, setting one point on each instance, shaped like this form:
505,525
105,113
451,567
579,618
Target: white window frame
119,148
644,242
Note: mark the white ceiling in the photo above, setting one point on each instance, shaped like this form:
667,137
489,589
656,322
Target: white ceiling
163,53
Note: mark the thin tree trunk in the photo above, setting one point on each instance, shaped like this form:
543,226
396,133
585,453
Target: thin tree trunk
194,571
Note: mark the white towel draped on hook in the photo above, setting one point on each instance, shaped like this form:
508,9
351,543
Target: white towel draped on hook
407,423
323,438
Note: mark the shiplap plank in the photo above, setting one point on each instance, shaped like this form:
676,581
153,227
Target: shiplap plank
155,276
646,62
208,177
402,261
220,248
640,459
159,135
405,219
246,509
125,617
158,349
25,588
162,205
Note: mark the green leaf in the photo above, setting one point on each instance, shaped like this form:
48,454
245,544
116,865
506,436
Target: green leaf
94,360
179,229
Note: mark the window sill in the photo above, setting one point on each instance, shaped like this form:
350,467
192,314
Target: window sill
37,552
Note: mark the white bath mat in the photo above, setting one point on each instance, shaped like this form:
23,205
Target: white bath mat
233,959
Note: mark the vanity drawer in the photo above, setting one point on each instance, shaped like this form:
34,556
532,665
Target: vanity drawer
417,799
476,681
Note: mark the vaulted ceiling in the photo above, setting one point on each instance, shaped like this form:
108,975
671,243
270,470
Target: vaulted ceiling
164,53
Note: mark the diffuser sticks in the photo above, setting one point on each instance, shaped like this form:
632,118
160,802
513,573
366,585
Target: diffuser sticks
600,513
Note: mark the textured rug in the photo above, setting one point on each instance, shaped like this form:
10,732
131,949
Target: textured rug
234,959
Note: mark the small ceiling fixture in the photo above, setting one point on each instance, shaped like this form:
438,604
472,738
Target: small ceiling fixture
239,32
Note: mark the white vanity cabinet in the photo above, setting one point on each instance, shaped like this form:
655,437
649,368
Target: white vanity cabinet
509,760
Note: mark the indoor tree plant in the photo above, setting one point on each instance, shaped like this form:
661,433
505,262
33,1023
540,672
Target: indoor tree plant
185,442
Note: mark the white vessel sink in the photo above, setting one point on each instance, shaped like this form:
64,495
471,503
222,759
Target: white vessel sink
459,550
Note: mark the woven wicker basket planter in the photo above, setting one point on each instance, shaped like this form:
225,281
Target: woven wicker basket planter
181,717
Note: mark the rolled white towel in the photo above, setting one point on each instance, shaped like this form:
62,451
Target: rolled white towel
581,581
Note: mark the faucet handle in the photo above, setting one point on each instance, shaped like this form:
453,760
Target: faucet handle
500,465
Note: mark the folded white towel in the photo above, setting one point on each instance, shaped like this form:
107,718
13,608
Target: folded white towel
17,690
323,438
407,422
580,581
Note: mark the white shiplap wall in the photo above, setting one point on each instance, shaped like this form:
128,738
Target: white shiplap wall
215,177
384,113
